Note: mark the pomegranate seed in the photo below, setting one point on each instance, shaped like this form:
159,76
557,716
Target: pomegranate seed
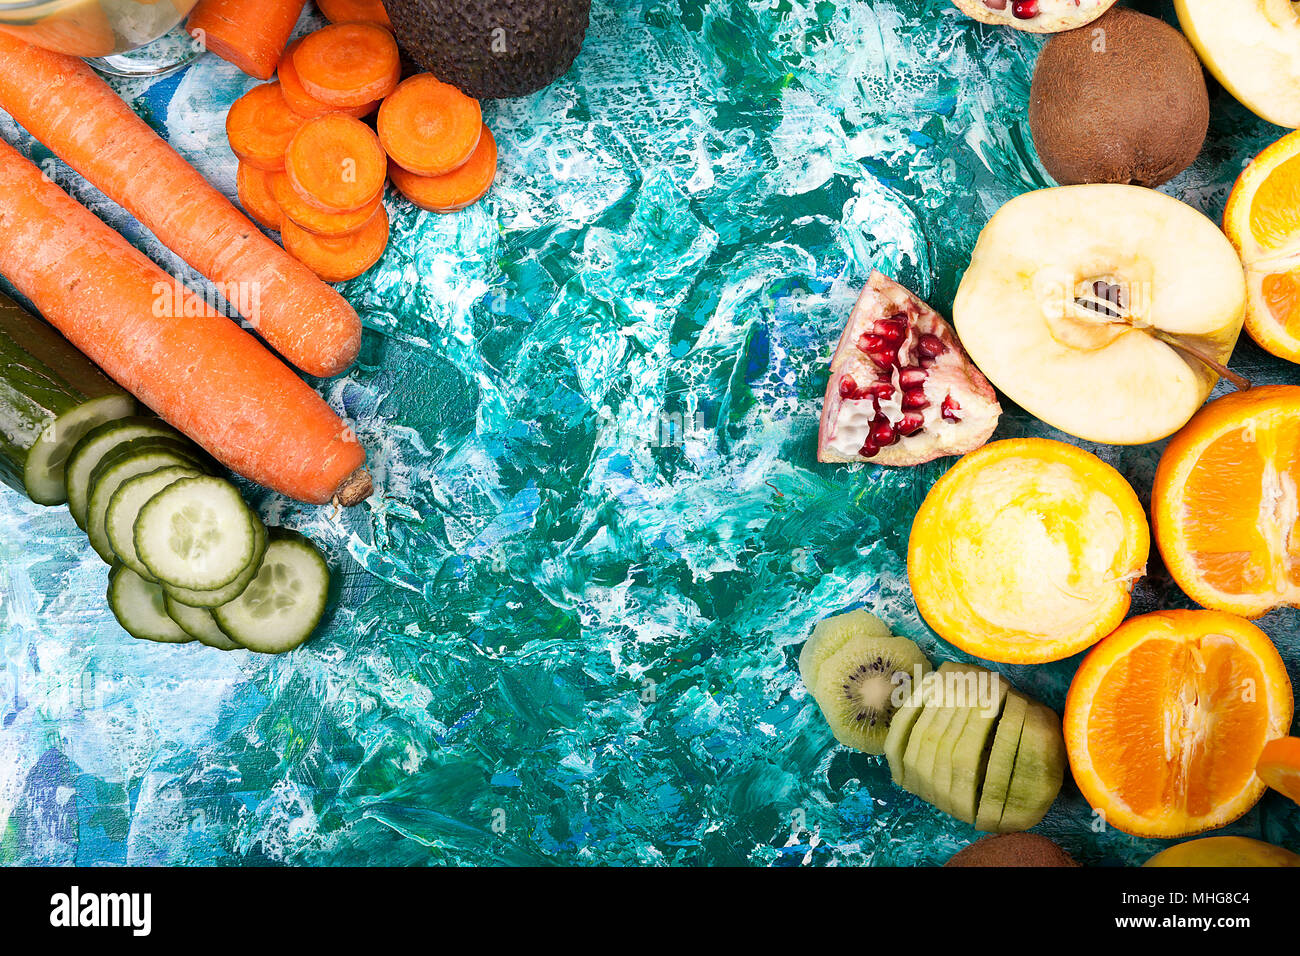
996,4
910,423
1024,9
911,377
881,390
870,343
869,449
931,346
948,408
885,358
882,433
848,387
914,400
892,330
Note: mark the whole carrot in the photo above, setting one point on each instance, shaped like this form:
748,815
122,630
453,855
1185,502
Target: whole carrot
64,104
251,34
194,367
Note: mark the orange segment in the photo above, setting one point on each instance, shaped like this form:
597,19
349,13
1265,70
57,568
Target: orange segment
1027,551
1167,717
1279,766
1262,220
1275,209
1225,504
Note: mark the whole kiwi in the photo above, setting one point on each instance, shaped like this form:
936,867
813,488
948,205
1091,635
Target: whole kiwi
1012,849
1122,100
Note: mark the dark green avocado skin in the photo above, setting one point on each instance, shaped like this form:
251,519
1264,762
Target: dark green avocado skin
492,49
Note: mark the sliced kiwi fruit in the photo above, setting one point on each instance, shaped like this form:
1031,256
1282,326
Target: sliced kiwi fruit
929,735
900,728
972,754
1039,770
854,668
1002,761
962,685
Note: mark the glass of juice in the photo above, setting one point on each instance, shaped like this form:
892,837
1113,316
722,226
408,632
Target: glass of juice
121,37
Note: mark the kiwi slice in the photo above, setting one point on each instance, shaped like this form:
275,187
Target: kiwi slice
1039,770
971,755
963,686
1001,763
929,734
900,728
852,665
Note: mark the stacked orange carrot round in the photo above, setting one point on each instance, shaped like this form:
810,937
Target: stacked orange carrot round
313,170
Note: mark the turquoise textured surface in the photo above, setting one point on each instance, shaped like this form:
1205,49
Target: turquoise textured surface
568,622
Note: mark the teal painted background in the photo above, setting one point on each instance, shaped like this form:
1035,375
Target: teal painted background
568,622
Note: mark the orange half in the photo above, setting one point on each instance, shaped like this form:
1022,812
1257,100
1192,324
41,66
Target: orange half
1225,504
1262,220
1279,766
1167,717
1026,551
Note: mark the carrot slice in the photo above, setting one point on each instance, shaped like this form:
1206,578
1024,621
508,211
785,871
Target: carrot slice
302,102
254,190
456,189
251,34
336,164
260,126
348,64
429,127
339,258
308,217
198,370
352,11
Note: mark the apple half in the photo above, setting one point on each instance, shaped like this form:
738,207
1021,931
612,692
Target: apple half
1253,48
1036,16
1104,310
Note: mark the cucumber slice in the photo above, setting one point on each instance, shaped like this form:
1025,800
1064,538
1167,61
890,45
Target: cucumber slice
196,533
112,475
125,505
173,443
286,600
94,446
139,607
224,595
199,623
45,472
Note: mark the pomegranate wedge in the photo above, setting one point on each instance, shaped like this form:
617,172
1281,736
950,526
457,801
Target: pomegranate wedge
902,390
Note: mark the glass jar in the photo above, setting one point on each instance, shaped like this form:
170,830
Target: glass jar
124,37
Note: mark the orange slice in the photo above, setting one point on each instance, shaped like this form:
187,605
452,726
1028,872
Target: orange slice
1279,766
1166,718
1225,505
1027,551
1262,220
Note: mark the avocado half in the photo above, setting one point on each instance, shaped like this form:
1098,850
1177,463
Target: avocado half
492,48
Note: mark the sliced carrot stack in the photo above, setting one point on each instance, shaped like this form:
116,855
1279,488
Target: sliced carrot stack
307,216
1225,505
336,164
349,11
348,64
302,102
1279,766
1167,717
260,126
454,190
429,127
338,259
254,190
